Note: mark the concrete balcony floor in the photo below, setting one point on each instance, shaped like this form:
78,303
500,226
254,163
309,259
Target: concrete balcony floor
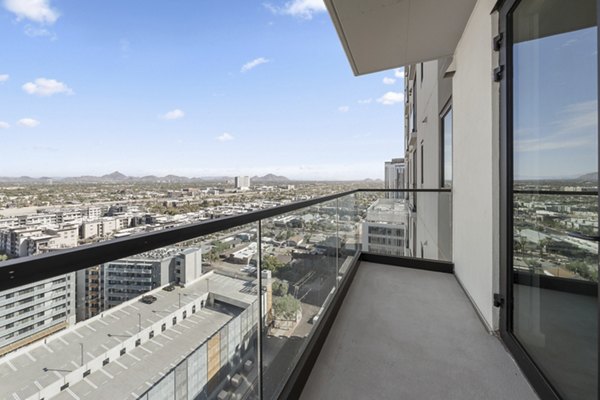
410,334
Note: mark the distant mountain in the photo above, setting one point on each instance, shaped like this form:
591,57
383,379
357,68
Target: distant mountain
591,177
115,176
269,178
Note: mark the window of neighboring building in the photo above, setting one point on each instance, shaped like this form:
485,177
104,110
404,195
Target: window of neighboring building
422,164
414,107
447,148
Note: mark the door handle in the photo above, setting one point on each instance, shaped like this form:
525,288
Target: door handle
578,235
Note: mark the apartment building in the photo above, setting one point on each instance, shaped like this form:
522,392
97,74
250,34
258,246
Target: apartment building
110,284
32,312
384,229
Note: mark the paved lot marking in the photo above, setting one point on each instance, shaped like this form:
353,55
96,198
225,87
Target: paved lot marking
134,307
73,394
120,364
89,354
125,312
106,373
102,322
32,358
16,396
11,366
176,331
134,357
90,383
93,329
75,364
58,375
145,349
48,348
63,340
77,333
39,386
105,347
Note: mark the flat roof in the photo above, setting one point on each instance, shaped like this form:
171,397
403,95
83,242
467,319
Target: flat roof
28,370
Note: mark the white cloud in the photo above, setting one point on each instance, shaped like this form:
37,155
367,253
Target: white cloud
34,10
46,87
33,31
365,101
4,125
298,8
389,81
4,78
28,122
343,109
173,114
254,63
391,98
225,137
399,73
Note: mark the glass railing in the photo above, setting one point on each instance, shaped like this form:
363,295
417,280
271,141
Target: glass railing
232,306
406,224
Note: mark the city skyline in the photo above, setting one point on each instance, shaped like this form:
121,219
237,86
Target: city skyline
189,89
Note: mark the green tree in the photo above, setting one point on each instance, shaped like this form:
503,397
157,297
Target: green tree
286,307
280,288
271,263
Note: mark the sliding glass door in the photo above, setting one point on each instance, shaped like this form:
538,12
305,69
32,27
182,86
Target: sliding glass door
551,117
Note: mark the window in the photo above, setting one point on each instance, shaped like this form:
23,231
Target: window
422,164
446,146
414,107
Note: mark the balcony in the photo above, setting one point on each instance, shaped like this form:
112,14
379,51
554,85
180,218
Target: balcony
320,317
411,334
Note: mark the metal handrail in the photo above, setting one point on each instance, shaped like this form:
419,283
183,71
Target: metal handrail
21,271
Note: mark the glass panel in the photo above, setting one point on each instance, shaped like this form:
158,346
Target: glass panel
348,232
394,225
300,256
555,148
163,324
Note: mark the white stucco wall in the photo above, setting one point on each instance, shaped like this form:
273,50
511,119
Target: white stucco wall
475,180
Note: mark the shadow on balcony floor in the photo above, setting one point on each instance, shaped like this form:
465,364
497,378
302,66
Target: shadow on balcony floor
409,334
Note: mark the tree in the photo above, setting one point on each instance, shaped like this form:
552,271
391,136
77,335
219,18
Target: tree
280,288
286,307
271,263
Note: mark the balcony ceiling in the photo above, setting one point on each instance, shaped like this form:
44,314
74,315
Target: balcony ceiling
383,34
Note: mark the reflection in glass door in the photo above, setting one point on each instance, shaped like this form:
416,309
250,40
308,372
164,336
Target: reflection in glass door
555,162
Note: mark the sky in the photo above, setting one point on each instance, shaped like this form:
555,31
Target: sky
556,106
189,87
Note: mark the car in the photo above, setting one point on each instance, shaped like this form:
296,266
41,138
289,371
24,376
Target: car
169,288
148,299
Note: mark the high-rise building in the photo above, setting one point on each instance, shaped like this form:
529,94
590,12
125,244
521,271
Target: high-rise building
242,182
394,174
